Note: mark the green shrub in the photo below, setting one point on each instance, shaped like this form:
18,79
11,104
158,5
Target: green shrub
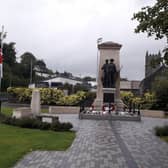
57,126
48,96
34,123
73,99
161,131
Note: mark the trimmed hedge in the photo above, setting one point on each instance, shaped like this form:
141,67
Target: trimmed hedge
49,96
34,123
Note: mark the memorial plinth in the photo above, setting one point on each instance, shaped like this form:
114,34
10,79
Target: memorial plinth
108,51
35,102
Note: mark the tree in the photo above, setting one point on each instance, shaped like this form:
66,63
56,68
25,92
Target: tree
28,61
40,64
27,58
160,88
9,53
153,20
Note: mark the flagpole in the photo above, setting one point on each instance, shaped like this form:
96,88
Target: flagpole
99,40
1,38
1,47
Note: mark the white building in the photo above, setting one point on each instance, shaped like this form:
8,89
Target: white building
56,81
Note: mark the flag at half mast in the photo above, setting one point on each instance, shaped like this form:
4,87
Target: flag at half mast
1,65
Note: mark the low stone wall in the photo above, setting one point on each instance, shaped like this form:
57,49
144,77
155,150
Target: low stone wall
64,109
153,113
22,112
109,117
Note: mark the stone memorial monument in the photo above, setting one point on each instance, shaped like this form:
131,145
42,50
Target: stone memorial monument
35,102
108,80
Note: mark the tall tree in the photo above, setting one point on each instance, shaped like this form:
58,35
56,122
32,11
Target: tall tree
28,61
9,53
154,21
41,64
27,58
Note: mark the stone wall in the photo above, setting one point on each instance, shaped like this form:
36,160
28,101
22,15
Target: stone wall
64,109
153,113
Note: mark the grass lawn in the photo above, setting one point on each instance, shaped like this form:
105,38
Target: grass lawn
165,138
7,110
15,142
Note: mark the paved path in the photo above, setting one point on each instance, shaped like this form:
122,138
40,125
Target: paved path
106,144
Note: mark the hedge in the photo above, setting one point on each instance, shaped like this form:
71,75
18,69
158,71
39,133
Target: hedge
49,96
34,123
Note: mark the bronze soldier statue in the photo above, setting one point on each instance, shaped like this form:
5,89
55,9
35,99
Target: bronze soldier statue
112,74
109,74
105,77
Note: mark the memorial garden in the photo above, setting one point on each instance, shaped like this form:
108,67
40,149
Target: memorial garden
79,126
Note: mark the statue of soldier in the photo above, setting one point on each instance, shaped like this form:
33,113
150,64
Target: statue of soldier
112,74
105,78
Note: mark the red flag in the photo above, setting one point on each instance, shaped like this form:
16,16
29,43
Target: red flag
1,60
1,56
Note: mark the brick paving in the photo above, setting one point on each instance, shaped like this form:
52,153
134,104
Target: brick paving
106,144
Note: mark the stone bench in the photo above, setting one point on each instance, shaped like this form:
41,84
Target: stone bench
64,109
49,118
22,112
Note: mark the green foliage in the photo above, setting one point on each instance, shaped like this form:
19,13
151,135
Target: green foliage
149,97
73,99
160,88
18,74
153,20
21,94
9,53
161,131
7,111
13,146
34,123
137,100
126,97
48,96
148,100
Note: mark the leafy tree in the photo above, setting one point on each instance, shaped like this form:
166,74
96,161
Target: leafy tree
28,61
27,58
9,53
160,88
40,64
153,20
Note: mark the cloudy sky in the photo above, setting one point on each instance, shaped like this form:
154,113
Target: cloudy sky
64,32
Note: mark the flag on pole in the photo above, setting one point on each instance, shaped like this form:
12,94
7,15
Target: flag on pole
99,40
1,65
